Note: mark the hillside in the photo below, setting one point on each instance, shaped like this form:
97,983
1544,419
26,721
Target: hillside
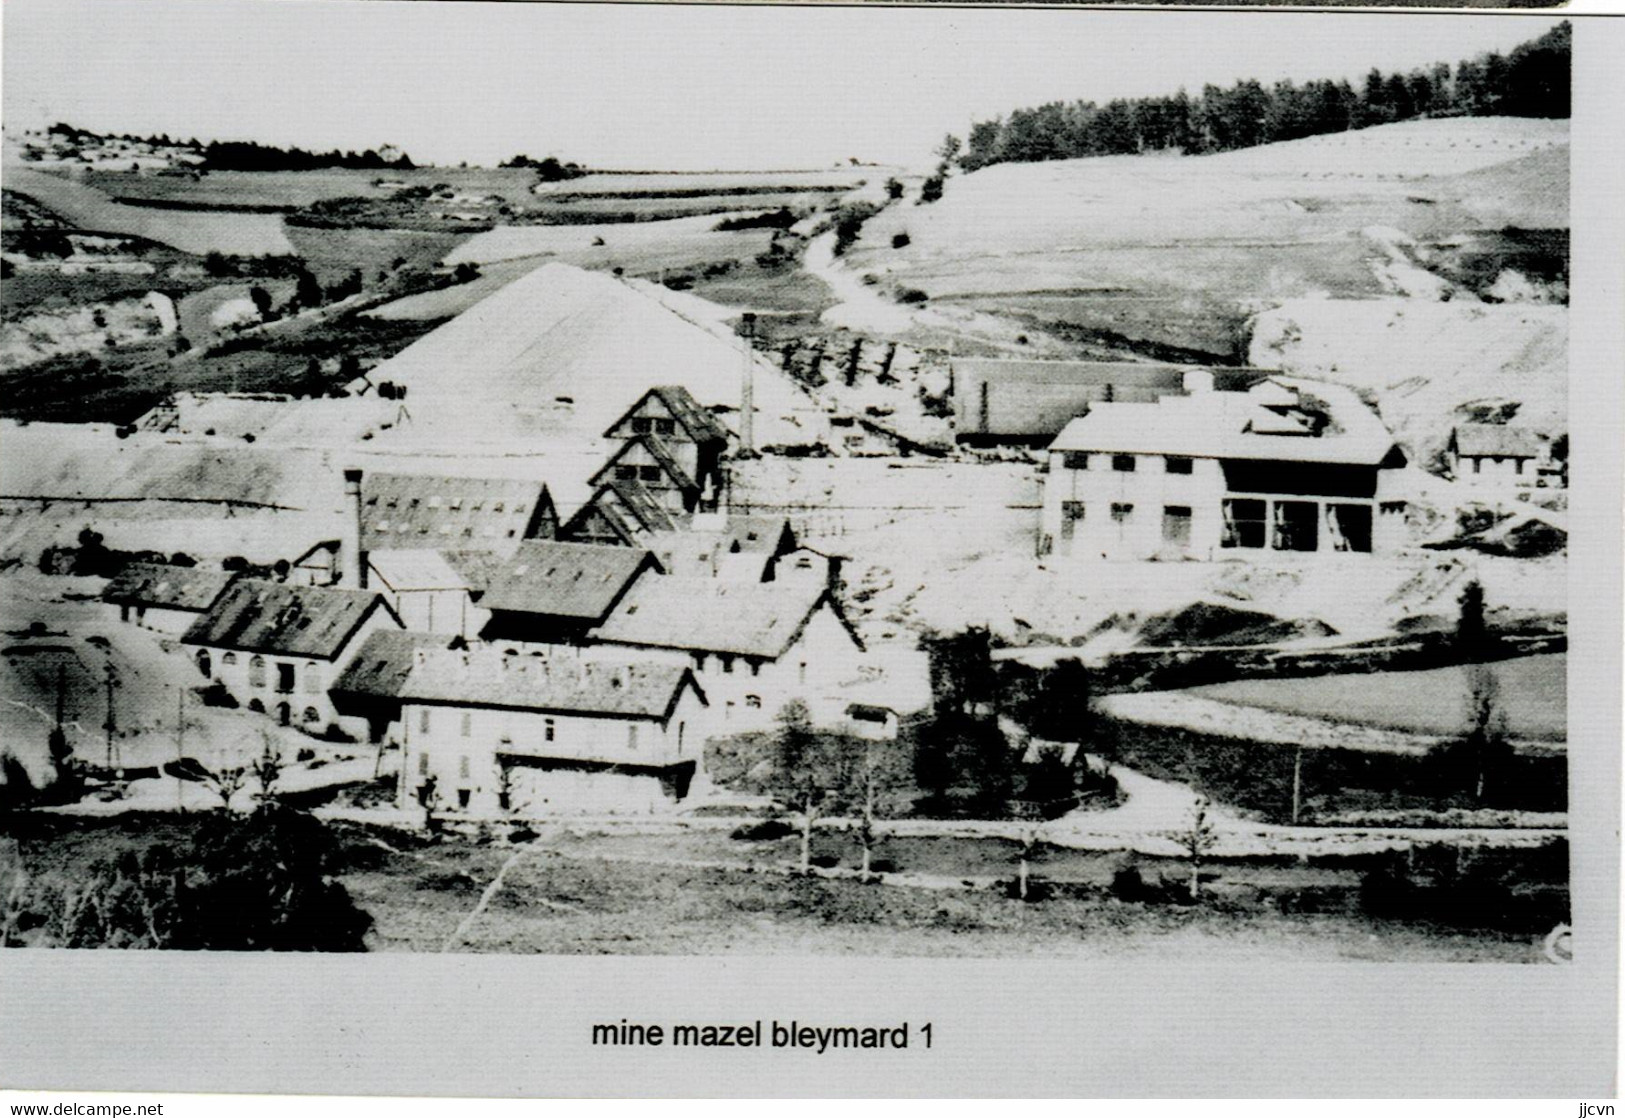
1165,250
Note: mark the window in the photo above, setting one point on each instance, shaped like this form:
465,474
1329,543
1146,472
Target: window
755,667
1244,523
548,730
626,473
256,672
642,425
1296,526
1478,465
1071,517
699,661
801,672
462,767
313,681
632,736
463,796
466,723
665,426
1176,525
423,764
423,721
1348,527
753,701
1122,514
1075,459
284,679
229,658
1123,463
1177,465
256,706
311,715
203,661
727,664
649,473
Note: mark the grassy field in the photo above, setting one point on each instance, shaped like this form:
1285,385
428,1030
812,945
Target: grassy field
1533,693
1149,247
708,894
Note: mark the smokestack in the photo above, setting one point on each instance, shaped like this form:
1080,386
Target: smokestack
747,387
354,560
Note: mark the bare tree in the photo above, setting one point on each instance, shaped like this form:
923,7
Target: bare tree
267,770
226,782
808,771
1196,840
877,774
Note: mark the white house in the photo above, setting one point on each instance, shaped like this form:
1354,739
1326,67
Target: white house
534,734
1287,465
164,597
427,592
277,647
1496,456
753,646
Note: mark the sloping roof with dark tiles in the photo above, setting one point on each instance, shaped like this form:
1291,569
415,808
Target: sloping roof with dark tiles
633,688
410,510
576,580
714,615
283,619
379,668
161,586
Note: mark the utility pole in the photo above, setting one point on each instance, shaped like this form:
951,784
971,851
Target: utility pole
747,388
114,761
1297,781
180,747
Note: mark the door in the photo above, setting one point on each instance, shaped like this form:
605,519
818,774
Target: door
1176,528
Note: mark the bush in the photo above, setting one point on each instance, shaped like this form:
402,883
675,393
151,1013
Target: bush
768,830
824,861
911,295
900,240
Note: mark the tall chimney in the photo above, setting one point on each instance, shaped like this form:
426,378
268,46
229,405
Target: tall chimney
354,560
747,387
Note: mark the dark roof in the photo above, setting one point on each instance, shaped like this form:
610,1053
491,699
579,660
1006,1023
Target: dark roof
659,451
283,619
610,688
167,587
627,507
1490,440
700,547
478,568
409,510
690,414
715,615
1029,399
579,580
379,668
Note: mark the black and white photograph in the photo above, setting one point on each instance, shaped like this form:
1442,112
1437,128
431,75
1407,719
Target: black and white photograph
597,500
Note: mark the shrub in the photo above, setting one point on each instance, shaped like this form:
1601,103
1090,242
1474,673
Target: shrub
911,295
900,240
824,861
767,830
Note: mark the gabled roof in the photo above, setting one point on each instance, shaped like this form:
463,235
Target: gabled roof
716,615
1490,440
659,451
628,508
1329,424
576,580
283,619
414,569
630,688
161,586
698,422
379,668
421,511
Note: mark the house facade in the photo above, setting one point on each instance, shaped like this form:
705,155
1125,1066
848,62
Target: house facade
753,646
553,592
1497,457
427,592
537,735
1286,466
688,434
277,648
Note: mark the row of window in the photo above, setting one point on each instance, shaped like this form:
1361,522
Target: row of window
465,727
639,473
653,425
1251,522
286,673
456,503
1125,463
